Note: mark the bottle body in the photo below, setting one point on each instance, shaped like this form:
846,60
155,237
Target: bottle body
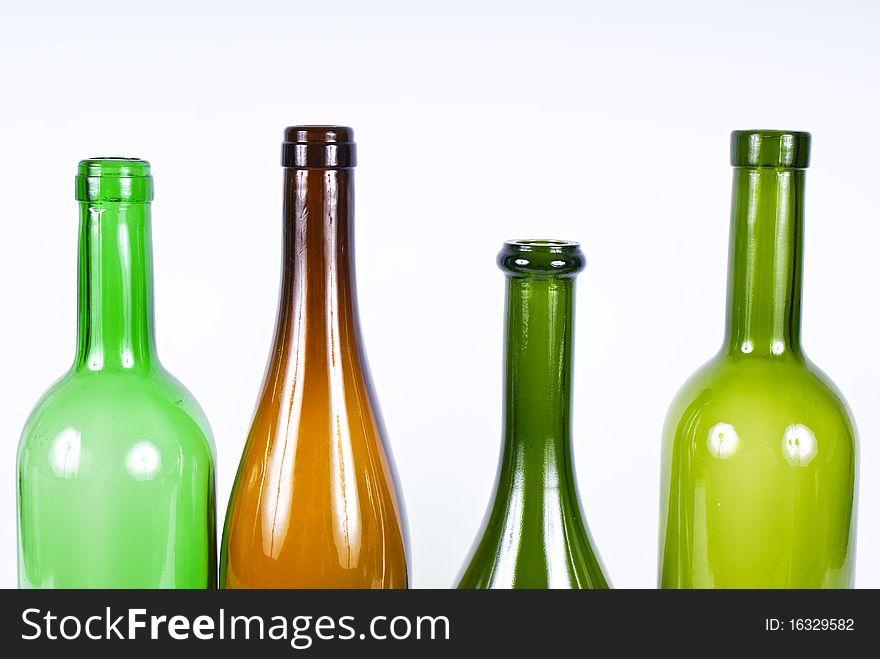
759,449
116,486
115,464
759,462
315,502
534,534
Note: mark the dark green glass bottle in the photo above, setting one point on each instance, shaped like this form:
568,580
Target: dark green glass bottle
759,448
116,464
534,534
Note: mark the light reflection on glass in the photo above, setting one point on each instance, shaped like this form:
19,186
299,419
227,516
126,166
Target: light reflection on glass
96,340
799,445
64,453
143,461
123,245
722,440
347,531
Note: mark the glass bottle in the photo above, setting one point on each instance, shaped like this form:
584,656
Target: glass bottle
534,534
759,449
115,465
315,502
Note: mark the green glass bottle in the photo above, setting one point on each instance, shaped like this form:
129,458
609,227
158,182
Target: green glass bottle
534,534
115,465
759,448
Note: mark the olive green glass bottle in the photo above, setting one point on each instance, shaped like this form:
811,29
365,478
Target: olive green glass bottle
759,448
115,465
534,534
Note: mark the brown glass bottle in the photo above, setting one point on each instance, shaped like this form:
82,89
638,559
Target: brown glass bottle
315,502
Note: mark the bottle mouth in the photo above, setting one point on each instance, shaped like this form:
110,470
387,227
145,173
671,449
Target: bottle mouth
770,148
318,147
114,180
541,258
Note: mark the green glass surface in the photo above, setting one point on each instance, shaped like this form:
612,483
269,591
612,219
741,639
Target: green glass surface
115,465
759,448
534,534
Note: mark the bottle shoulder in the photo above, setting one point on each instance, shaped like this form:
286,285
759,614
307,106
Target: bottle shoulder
769,378
516,548
117,409
762,394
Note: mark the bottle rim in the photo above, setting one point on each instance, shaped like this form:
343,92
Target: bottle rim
318,147
114,179
541,258
786,149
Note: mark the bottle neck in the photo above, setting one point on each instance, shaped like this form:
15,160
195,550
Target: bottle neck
318,302
115,321
538,378
765,265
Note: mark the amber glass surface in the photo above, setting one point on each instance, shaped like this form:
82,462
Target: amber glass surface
315,503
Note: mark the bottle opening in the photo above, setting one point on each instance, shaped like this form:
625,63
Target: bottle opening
527,245
541,258
114,179
770,148
318,147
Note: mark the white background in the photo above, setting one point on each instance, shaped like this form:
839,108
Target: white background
605,122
